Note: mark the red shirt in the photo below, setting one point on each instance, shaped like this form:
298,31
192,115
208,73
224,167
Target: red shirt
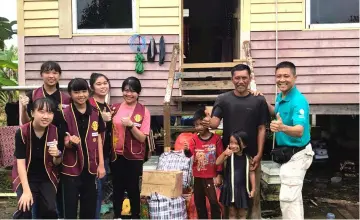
205,153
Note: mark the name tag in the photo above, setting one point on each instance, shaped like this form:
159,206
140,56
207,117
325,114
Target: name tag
137,124
94,134
64,106
51,143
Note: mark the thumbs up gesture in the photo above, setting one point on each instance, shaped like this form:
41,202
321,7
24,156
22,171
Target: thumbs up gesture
106,116
69,139
276,125
53,149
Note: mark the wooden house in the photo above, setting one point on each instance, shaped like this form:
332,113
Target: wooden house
320,36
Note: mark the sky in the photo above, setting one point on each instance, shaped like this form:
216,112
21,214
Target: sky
8,10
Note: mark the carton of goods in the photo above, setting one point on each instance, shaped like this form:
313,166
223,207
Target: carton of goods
166,183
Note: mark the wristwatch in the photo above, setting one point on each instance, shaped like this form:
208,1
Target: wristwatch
131,126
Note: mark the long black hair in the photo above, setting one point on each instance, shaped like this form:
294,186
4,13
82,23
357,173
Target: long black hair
240,136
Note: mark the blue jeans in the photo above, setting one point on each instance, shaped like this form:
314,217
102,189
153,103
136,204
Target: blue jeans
100,188
19,192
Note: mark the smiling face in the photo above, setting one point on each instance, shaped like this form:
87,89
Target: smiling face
129,95
241,80
80,97
42,116
50,77
101,86
285,79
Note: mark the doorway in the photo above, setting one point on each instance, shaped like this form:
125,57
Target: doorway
211,31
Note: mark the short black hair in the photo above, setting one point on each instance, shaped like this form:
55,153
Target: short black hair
199,115
240,67
287,64
44,104
240,136
78,84
133,83
50,66
95,76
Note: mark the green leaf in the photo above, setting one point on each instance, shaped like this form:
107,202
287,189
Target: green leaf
7,82
8,64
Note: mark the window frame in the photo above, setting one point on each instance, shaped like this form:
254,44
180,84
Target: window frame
324,26
104,30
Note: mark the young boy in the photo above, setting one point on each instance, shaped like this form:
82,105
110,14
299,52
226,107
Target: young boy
206,147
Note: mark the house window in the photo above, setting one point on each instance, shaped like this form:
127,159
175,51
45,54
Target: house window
99,16
332,13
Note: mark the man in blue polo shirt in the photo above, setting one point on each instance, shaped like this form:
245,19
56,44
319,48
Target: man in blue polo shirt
292,135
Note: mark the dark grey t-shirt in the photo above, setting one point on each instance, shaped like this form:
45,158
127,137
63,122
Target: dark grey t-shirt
241,113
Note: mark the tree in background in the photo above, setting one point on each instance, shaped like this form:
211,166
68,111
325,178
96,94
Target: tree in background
6,31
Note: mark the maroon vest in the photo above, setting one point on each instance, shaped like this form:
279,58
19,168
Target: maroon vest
73,158
133,149
95,105
64,98
51,169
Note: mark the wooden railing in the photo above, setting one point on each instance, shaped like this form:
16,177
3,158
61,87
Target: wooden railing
167,98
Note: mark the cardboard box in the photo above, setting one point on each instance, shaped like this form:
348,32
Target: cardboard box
166,183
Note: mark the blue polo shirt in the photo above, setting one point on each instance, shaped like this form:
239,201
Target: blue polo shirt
294,110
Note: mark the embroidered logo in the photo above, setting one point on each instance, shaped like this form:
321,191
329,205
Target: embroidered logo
137,118
95,125
301,111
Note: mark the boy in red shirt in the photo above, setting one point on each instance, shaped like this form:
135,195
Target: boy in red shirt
206,147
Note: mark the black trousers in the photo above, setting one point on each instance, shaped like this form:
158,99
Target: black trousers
81,187
44,195
127,176
205,187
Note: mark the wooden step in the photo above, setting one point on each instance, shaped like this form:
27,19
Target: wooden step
182,113
175,129
211,65
195,98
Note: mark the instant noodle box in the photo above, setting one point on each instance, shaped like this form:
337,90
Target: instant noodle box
166,183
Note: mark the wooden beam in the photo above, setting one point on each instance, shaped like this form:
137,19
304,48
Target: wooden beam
335,109
195,98
167,135
207,85
65,19
211,65
20,18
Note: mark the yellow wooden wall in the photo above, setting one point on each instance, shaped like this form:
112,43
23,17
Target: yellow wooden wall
291,15
159,16
41,17
51,17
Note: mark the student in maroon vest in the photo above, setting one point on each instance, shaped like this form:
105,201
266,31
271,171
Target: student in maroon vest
83,160
35,174
131,126
50,72
100,86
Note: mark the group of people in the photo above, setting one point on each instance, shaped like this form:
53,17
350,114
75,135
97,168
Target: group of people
233,163
68,143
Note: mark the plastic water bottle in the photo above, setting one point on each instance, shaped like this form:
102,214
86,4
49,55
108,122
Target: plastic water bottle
330,216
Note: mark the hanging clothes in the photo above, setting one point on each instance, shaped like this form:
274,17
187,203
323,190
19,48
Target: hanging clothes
162,51
152,51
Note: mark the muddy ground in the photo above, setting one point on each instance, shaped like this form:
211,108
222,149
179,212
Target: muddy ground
320,196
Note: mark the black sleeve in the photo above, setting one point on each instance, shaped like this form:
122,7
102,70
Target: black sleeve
217,109
29,106
264,115
102,127
20,147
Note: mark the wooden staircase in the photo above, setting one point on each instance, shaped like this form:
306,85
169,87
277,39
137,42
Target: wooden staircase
199,85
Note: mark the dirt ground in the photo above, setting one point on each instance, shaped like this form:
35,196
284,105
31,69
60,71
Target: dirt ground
320,197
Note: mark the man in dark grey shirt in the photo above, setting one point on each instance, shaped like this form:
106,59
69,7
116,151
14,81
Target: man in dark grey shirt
240,110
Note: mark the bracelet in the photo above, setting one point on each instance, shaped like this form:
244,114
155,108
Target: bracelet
131,126
60,154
